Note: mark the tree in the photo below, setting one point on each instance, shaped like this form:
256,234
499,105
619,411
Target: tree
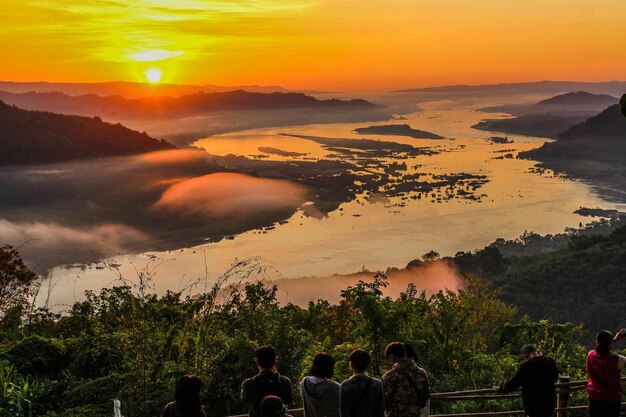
16,280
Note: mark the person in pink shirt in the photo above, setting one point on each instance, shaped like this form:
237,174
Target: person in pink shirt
604,389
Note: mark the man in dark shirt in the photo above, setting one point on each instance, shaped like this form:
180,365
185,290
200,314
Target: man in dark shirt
361,395
536,376
267,382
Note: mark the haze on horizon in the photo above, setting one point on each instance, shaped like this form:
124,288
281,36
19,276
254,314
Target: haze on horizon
347,45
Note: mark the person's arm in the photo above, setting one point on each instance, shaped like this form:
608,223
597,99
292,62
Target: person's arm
515,382
555,370
380,401
288,394
621,361
344,407
426,410
245,392
302,395
388,389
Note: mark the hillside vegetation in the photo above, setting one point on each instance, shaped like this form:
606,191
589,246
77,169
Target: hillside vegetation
28,137
127,344
582,281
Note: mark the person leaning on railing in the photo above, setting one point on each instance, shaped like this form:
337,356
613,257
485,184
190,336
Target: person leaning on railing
536,376
604,389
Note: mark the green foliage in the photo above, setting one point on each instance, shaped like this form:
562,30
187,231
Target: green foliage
126,343
16,281
36,355
17,395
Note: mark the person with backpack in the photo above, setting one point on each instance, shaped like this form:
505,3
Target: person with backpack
361,395
186,399
405,385
320,394
604,389
267,382
536,375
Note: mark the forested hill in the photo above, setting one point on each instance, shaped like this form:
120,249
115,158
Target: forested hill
582,283
165,106
609,124
28,137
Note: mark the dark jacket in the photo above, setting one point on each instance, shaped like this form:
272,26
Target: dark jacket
536,377
320,397
265,383
356,402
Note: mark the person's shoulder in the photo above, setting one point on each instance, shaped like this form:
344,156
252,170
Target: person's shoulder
376,382
170,409
285,380
247,382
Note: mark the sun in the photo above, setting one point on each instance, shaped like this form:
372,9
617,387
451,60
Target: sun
153,75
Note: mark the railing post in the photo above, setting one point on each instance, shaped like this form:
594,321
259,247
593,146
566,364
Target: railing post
563,397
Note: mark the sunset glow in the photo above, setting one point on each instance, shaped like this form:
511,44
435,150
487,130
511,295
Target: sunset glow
320,44
153,75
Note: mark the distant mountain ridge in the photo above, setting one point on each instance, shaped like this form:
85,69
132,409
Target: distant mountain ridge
606,87
129,89
552,116
31,137
166,106
575,102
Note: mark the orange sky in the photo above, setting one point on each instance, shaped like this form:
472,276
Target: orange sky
357,45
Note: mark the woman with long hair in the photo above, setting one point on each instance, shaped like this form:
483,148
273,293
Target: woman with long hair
604,388
320,395
186,399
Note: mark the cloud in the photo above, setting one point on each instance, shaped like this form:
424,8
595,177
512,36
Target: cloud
230,195
430,277
45,245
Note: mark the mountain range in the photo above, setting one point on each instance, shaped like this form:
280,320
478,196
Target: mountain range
173,107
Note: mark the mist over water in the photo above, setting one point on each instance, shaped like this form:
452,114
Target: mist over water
499,197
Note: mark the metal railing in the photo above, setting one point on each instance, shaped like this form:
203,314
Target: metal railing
563,389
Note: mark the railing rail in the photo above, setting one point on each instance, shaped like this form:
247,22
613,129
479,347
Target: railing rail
563,388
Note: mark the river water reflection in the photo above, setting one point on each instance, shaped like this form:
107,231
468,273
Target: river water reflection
377,233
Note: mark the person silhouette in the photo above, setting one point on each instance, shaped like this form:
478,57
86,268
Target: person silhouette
622,103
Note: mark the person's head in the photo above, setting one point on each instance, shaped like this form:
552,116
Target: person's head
604,342
272,406
188,394
265,357
394,352
410,352
323,366
359,360
529,351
